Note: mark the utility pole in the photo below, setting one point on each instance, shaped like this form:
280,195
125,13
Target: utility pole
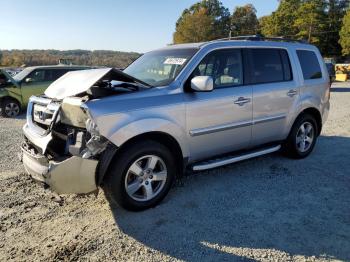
310,30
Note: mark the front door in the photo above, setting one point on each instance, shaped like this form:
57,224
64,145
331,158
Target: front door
219,121
35,83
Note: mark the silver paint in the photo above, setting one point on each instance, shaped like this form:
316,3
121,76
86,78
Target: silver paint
205,124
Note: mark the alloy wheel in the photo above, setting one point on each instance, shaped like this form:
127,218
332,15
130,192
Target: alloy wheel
12,109
305,137
146,178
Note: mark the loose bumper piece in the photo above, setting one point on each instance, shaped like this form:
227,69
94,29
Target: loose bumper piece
72,175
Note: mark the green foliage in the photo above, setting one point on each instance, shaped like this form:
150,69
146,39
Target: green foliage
345,34
210,16
195,27
280,22
78,57
244,21
317,21
309,21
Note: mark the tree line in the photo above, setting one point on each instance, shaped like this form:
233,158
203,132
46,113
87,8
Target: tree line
324,23
16,58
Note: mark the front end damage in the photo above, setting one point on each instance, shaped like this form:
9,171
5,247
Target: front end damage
64,153
63,146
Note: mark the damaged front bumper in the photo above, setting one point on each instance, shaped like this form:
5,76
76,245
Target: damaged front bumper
71,175
63,146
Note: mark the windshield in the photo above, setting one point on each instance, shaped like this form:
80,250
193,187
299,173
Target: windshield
21,75
160,68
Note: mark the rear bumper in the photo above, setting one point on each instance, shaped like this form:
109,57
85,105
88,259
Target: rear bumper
72,175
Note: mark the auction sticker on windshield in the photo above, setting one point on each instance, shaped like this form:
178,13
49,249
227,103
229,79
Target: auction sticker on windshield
175,61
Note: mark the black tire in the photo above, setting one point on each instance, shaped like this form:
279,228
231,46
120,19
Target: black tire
291,147
115,183
10,108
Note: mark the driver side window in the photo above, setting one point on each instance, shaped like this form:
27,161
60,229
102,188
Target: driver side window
38,76
224,66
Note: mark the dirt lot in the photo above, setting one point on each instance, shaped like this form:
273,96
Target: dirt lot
269,208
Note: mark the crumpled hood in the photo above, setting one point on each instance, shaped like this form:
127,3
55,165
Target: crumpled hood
77,82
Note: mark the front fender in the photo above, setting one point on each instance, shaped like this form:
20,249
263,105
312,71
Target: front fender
130,128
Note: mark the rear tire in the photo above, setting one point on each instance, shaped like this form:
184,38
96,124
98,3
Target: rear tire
302,138
10,108
141,176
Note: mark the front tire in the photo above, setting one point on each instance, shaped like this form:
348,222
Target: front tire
302,138
141,175
10,108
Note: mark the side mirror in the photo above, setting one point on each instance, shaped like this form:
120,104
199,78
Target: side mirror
28,80
202,83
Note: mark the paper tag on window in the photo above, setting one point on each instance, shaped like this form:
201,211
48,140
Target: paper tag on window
175,61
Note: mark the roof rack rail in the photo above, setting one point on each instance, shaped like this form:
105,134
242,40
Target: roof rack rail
262,38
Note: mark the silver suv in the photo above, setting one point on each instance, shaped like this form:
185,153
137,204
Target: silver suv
192,106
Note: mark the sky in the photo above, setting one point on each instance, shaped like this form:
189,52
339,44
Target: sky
121,25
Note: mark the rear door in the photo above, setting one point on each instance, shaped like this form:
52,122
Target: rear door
219,121
275,93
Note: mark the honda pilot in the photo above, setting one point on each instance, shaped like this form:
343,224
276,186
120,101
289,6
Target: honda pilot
184,107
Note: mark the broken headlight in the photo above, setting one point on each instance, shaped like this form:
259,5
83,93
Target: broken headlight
97,143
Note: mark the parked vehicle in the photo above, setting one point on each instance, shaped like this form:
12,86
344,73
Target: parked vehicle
15,91
192,106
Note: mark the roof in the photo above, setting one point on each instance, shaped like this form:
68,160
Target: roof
182,46
249,41
57,66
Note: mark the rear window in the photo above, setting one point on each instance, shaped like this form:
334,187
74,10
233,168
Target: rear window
309,64
269,66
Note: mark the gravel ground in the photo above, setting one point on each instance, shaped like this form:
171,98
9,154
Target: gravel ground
269,208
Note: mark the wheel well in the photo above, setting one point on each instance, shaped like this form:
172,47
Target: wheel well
316,114
10,98
163,138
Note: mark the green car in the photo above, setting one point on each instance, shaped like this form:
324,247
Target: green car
15,91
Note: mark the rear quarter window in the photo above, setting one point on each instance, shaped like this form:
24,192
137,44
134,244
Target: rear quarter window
310,65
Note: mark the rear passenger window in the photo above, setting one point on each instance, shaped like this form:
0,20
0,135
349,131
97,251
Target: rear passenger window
57,73
269,66
309,64
286,66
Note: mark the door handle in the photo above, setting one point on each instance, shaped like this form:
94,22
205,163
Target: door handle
292,92
242,100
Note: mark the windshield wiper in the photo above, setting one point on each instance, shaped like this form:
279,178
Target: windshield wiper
129,85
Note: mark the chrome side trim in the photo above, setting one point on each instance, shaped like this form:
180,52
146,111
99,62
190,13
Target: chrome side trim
214,129
226,161
268,119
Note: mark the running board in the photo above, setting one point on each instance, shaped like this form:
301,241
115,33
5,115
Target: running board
233,159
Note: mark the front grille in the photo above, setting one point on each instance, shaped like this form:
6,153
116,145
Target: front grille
41,113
